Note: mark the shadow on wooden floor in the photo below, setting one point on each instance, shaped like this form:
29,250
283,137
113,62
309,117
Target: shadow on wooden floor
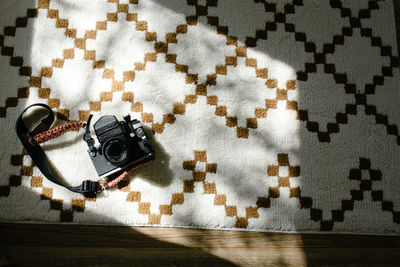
74,245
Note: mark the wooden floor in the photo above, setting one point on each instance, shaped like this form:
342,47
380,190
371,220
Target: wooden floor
397,16
66,245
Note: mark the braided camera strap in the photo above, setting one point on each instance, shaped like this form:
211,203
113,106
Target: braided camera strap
57,132
31,140
114,182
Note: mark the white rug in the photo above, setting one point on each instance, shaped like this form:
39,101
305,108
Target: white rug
265,115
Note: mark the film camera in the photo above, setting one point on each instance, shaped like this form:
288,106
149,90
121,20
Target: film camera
122,144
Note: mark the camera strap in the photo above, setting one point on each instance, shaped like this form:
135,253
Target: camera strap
30,139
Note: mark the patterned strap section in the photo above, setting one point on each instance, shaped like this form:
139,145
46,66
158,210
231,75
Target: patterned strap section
107,185
57,132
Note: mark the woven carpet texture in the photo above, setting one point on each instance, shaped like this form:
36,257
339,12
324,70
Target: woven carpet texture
265,115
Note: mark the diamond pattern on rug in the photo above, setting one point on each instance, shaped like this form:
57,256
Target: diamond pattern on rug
259,111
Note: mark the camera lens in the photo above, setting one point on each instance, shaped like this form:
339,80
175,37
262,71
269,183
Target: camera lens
116,151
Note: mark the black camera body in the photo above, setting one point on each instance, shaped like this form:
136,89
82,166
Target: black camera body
122,144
